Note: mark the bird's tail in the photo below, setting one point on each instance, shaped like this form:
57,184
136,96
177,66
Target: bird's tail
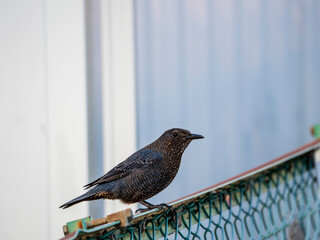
85,197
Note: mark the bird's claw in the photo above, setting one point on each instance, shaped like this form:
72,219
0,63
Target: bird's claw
162,206
142,210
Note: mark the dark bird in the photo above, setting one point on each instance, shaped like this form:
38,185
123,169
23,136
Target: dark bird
144,174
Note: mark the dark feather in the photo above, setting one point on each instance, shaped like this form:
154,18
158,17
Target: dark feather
139,160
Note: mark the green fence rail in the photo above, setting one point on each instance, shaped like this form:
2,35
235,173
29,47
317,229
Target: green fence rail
279,200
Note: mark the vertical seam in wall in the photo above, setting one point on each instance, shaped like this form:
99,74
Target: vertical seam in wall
136,68
110,84
94,96
111,81
88,88
181,51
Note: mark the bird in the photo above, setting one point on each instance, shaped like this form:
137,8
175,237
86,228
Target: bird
143,174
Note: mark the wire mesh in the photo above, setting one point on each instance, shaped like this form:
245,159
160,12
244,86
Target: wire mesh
262,206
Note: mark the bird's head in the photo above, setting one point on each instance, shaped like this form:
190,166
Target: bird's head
176,140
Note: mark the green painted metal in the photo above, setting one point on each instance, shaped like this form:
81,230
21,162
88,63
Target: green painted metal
315,130
261,204
78,224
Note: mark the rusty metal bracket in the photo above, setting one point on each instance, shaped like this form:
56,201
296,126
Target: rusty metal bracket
124,217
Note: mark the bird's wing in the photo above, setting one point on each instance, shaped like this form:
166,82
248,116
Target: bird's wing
137,161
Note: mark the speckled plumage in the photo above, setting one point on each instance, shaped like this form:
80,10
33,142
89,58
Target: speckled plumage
144,174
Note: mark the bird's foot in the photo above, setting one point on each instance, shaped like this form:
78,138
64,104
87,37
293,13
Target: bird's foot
142,210
162,206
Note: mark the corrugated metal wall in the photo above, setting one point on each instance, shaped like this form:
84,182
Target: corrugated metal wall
245,74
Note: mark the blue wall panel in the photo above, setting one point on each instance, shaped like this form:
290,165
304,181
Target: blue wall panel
245,74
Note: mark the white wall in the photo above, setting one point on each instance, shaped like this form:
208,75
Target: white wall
23,123
65,39
119,111
43,141
43,123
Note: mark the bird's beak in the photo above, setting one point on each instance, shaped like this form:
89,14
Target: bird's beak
194,136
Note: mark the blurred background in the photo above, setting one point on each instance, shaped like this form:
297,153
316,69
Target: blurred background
84,84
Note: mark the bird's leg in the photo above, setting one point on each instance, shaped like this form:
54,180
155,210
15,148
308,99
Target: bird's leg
151,206
147,204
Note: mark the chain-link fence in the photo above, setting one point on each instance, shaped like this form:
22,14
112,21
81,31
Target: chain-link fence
278,201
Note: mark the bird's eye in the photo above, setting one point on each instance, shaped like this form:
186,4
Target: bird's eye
175,134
